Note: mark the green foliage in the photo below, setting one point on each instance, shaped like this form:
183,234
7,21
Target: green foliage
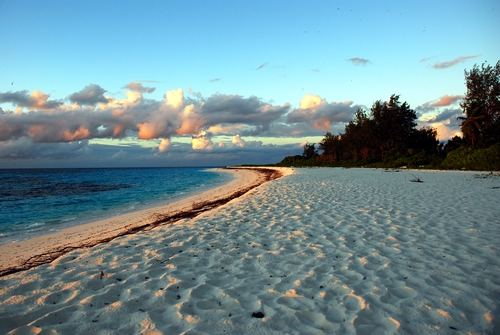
296,160
490,135
481,104
332,147
455,143
486,159
393,126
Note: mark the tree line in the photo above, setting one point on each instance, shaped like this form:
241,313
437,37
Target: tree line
387,135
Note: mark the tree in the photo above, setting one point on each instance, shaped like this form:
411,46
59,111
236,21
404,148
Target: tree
359,137
389,136
309,151
481,104
394,125
472,124
425,140
455,143
332,148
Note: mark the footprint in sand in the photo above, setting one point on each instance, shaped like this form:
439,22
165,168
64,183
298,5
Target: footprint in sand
395,295
249,302
295,301
207,305
353,302
315,320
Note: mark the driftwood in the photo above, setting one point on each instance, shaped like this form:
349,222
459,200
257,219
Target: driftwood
161,219
416,180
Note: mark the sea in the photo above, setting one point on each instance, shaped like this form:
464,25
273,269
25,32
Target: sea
35,202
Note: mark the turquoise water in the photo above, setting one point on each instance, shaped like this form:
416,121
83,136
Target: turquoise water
37,201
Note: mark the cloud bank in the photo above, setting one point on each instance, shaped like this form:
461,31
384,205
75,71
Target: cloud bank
442,114
35,100
68,126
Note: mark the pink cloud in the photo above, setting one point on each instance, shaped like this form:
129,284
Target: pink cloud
447,100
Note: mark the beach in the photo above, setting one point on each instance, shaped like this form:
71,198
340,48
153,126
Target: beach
317,251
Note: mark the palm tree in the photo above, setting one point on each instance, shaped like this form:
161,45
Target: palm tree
472,125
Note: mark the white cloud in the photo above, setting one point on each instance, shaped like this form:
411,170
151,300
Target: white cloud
238,141
175,98
202,142
165,145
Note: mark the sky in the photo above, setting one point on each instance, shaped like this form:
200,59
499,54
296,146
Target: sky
214,83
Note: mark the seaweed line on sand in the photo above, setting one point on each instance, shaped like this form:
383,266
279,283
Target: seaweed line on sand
160,219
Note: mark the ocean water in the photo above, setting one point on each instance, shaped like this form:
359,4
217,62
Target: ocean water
39,201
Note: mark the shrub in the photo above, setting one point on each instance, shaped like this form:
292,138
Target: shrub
477,159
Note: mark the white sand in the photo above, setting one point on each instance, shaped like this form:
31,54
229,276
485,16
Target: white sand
89,234
322,251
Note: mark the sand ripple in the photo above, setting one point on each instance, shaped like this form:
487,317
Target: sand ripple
323,251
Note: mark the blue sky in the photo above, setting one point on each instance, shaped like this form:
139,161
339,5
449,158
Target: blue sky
84,83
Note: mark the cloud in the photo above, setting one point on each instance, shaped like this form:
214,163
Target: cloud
448,116
120,155
447,100
316,111
444,120
165,145
24,148
175,98
426,59
214,80
88,154
238,141
93,116
458,60
166,118
89,96
262,66
191,120
202,141
434,106
176,115
224,109
359,61
138,87
35,100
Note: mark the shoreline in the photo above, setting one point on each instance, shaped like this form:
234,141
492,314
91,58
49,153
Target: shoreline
49,225
27,254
